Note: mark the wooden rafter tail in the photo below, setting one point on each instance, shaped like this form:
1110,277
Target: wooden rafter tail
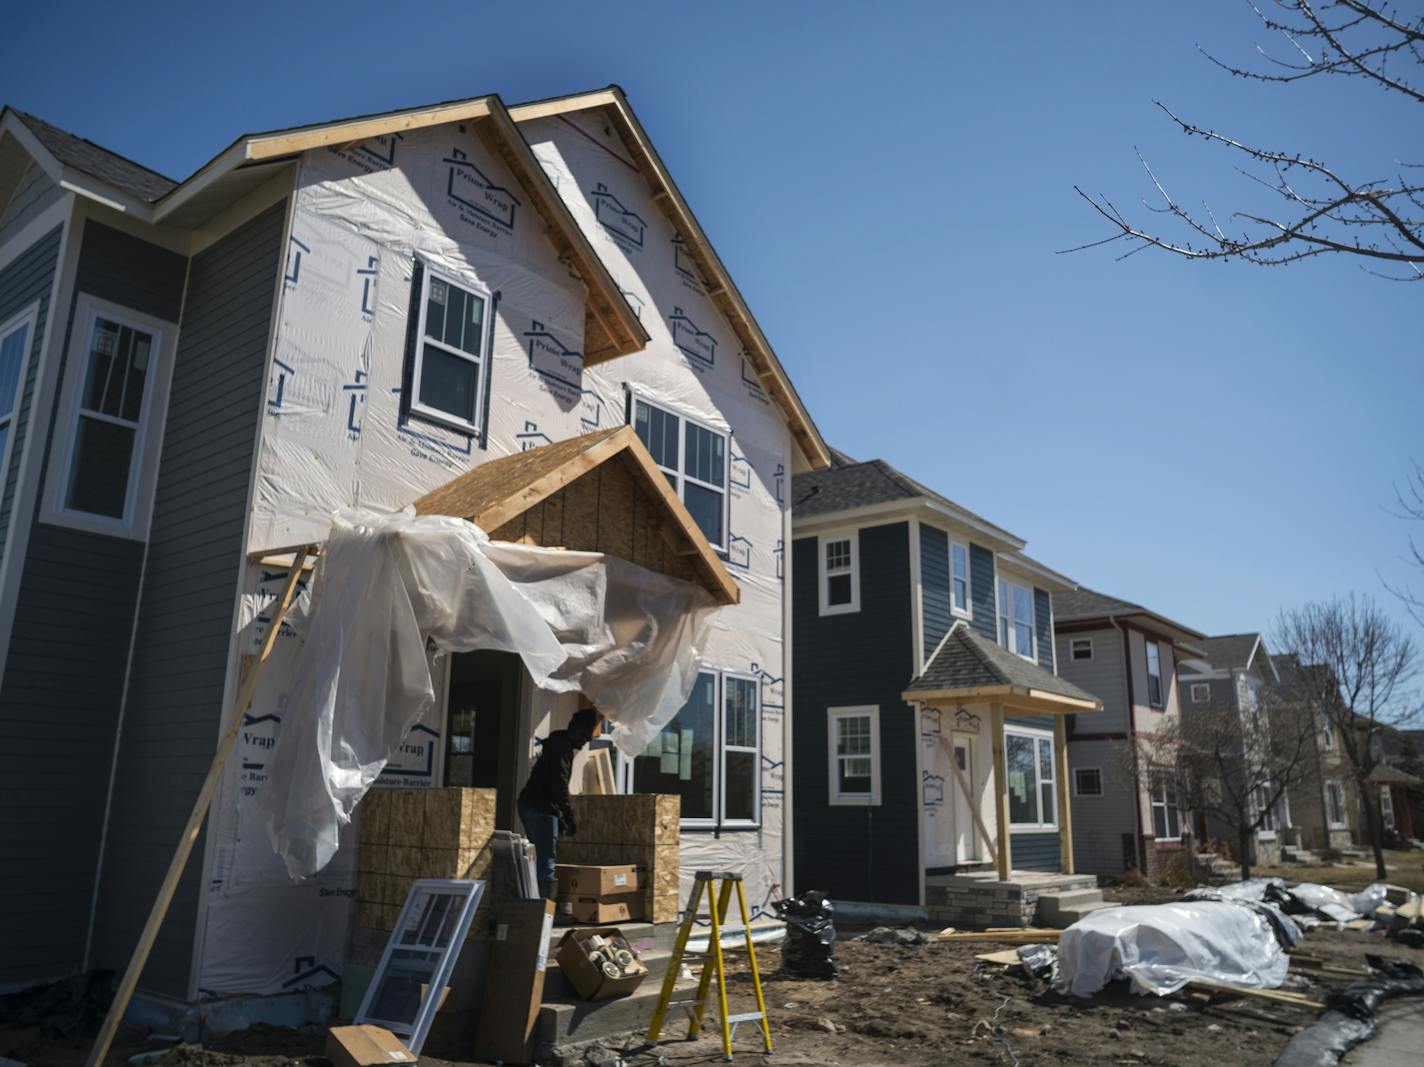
195,821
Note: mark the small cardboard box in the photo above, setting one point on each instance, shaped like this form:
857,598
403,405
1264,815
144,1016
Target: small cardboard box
589,981
615,908
365,1046
596,881
519,959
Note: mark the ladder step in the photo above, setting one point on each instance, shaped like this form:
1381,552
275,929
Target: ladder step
745,1017
694,1002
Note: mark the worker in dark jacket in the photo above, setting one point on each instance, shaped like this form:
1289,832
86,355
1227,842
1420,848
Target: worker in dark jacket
544,806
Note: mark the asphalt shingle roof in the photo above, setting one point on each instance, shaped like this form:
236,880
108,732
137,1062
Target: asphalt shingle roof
847,484
968,660
1230,651
91,159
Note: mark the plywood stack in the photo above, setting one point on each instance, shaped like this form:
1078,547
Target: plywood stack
641,829
423,833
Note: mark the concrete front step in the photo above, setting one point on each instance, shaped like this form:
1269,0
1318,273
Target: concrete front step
572,1021
1063,909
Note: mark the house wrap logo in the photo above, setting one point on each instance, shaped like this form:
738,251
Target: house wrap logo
696,344
478,199
551,358
623,223
379,153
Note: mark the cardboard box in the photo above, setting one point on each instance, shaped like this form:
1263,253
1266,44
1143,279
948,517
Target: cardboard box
588,980
519,957
596,881
365,1046
616,908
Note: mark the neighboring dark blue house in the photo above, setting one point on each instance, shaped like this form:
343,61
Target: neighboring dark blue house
904,600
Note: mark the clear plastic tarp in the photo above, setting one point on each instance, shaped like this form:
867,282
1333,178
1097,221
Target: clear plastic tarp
389,587
1162,947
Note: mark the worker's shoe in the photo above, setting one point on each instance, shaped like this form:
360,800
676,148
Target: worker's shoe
551,890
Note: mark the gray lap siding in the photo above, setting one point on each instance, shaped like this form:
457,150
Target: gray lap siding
865,657
174,709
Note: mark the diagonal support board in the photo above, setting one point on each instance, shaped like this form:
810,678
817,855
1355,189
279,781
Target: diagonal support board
195,823
969,799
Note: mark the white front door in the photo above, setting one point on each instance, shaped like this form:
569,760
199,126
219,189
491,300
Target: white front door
966,841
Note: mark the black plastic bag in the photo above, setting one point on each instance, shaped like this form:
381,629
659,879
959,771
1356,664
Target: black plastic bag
1350,1018
810,930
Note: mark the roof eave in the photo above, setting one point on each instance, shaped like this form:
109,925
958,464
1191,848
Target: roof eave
722,290
69,179
1065,705
994,537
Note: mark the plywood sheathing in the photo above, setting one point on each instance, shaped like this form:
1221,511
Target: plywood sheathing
641,829
596,493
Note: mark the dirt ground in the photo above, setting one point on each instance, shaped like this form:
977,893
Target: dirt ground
907,1005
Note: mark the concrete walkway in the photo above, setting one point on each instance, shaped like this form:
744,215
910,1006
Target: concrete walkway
1400,1040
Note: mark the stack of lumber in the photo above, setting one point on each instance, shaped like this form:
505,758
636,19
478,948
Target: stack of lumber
641,829
1015,935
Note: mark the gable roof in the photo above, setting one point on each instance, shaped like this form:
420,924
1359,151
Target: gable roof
848,485
83,155
1232,651
721,289
1083,605
967,665
499,492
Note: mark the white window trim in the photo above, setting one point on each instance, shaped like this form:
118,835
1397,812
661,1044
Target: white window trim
28,319
682,479
1206,686
482,361
1327,731
1082,770
720,787
1005,611
823,578
148,438
966,612
1038,736
1073,643
1153,802
835,796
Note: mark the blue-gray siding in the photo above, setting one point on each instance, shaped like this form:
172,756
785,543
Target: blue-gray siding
1043,622
1035,851
35,193
865,657
173,714
1038,850
64,674
934,587
26,281
983,594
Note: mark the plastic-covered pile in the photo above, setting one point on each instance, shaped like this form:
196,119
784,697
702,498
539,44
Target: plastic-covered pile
810,933
1305,898
1161,947
390,589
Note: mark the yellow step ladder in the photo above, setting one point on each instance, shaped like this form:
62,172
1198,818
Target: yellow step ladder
719,899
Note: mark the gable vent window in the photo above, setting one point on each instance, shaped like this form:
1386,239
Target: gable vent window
840,580
1082,648
450,373
694,459
1201,693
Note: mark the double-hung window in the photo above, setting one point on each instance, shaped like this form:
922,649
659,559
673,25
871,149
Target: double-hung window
959,578
853,736
16,337
1266,810
451,372
115,393
840,574
1328,734
1335,804
694,458
1032,801
710,754
1016,618
1155,693
1166,815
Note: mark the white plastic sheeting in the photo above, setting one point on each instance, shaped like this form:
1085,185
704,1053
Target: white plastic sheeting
334,437
1161,947
389,586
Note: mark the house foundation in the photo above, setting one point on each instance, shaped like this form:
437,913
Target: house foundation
981,899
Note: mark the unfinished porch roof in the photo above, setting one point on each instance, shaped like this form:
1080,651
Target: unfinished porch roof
968,666
601,492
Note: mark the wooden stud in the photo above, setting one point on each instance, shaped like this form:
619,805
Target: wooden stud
1001,789
195,823
1065,809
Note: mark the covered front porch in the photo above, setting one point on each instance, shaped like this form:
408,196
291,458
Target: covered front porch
971,683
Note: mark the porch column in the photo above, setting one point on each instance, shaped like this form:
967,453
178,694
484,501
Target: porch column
1001,789
1065,809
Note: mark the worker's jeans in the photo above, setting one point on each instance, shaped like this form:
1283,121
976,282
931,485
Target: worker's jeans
543,830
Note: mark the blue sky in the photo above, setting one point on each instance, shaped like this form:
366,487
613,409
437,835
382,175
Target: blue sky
889,184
